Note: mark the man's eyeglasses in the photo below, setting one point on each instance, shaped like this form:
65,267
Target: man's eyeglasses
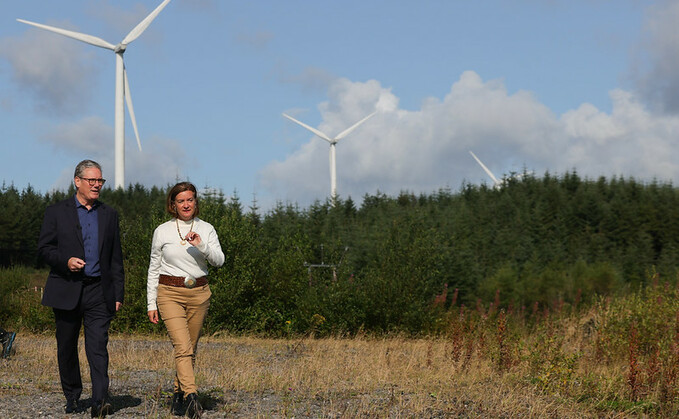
92,181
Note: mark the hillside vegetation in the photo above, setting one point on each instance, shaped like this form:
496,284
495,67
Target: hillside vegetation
394,263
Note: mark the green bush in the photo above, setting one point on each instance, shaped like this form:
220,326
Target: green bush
20,305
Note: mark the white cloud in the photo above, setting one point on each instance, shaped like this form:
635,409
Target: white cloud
427,149
631,140
160,162
90,135
56,70
657,72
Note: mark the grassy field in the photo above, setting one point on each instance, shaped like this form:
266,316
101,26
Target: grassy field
245,376
336,377
612,357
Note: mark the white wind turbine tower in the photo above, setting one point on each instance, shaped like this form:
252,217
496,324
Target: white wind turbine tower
122,86
333,142
496,182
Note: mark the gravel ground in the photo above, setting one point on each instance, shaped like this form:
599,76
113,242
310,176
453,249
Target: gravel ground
134,394
128,403
139,396
131,404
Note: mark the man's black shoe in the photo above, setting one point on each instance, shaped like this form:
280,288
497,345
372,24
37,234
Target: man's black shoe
101,409
71,405
177,402
193,408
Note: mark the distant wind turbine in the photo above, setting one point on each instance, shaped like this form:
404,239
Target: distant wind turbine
496,182
122,85
332,141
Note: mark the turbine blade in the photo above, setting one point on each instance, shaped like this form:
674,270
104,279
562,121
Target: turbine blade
314,130
497,182
353,127
92,40
130,108
141,27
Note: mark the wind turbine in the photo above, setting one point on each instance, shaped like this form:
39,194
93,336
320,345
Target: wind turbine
122,85
496,182
333,142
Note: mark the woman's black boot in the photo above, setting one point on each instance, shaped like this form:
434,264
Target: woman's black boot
177,402
193,408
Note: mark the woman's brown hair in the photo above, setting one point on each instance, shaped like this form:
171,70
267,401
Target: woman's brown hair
176,190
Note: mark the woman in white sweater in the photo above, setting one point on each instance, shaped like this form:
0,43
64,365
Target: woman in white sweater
177,285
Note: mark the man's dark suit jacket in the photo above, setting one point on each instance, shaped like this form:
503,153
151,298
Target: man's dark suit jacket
61,239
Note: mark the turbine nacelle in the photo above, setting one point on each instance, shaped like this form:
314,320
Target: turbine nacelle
120,48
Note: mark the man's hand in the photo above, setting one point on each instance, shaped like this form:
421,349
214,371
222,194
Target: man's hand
76,264
153,316
118,305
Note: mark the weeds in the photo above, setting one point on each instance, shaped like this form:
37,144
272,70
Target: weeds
633,374
615,355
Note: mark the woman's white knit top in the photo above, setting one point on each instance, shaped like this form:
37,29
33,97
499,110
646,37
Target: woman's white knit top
170,257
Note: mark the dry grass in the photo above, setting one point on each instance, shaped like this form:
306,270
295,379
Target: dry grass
616,358
332,377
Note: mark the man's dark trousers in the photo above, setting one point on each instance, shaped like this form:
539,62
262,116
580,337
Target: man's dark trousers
93,313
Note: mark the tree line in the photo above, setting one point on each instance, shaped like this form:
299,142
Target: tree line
396,263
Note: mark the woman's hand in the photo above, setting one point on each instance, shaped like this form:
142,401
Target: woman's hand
193,238
153,316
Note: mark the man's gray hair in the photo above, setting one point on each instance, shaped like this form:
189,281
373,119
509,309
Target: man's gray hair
85,164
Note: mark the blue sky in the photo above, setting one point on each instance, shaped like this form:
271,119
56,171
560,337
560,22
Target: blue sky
549,85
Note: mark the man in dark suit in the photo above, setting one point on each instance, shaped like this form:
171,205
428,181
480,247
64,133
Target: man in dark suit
80,241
